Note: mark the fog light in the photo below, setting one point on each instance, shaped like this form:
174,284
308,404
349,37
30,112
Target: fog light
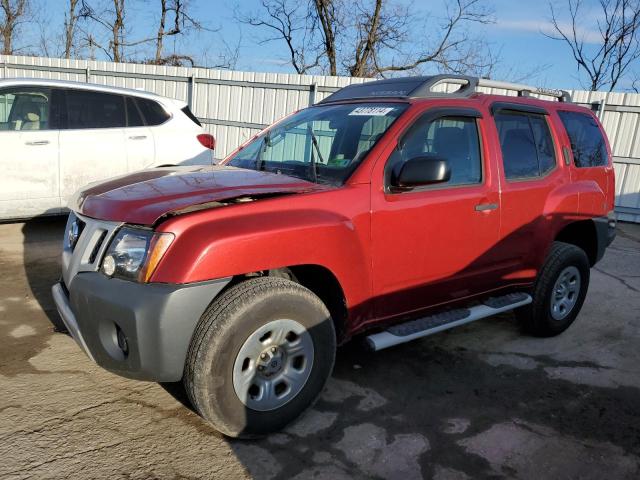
122,340
109,265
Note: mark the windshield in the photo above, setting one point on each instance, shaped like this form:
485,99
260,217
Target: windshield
322,144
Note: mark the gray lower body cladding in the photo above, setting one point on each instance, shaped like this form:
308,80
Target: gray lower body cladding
157,321
605,233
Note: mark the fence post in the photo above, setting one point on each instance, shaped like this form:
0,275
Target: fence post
87,73
599,108
190,89
313,90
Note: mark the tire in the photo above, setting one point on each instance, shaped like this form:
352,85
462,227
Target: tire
542,317
229,331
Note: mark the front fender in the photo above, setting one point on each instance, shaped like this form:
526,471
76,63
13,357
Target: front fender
330,229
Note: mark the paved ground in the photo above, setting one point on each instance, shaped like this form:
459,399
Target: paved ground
481,401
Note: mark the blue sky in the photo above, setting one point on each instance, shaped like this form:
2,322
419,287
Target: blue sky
516,34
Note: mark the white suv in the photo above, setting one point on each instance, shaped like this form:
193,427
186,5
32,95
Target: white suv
57,136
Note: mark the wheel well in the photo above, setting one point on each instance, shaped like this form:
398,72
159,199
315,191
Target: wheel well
319,280
582,234
325,285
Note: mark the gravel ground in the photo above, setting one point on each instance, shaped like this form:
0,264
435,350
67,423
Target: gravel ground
480,401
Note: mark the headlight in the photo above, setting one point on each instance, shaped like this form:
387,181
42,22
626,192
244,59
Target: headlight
134,253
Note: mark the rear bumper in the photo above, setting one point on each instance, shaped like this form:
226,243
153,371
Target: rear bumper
157,320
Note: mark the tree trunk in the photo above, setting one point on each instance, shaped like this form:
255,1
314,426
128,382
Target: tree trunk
6,42
118,27
70,25
163,18
326,14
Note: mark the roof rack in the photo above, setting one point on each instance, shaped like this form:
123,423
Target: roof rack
423,87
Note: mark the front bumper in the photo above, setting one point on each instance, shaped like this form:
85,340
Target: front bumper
157,320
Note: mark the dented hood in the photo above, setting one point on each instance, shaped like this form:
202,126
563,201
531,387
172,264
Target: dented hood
144,197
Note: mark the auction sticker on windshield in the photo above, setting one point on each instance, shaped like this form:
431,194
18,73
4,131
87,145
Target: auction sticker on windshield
372,111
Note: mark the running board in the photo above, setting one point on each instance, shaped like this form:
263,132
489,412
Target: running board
422,327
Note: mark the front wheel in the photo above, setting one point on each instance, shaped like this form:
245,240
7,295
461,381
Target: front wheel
559,291
260,356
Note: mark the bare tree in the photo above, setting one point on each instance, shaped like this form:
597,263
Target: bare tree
70,20
14,15
183,23
375,37
607,60
113,20
294,23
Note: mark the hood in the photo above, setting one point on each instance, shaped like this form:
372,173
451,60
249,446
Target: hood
144,197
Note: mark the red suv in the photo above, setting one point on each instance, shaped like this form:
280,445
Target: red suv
390,210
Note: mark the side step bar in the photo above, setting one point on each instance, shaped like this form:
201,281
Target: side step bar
422,327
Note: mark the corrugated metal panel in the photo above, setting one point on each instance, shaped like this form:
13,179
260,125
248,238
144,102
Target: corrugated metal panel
234,106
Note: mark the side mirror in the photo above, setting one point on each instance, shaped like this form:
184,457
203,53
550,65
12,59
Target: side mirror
419,171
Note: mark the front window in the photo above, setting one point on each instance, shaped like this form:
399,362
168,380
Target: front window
25,108
322,144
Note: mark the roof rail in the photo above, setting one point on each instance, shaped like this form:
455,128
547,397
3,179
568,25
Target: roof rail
526,90
423,87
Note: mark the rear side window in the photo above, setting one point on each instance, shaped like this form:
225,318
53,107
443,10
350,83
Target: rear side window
587,143
152,112
133,115
526,143
187,111
86,109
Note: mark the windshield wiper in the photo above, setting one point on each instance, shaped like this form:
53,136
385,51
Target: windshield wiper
261,150
314,141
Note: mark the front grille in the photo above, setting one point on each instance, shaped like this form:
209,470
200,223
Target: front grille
85,254
81,225
96,249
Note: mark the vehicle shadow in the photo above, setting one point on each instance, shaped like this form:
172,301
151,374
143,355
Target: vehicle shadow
42,249
419,409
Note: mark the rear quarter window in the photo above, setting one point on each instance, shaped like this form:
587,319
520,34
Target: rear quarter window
152,112
587,142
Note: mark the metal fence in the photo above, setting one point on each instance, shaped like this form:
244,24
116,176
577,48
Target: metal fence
235,105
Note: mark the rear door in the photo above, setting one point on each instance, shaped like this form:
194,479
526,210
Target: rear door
29,182
530,175
141,151
169,140
92,144
433,244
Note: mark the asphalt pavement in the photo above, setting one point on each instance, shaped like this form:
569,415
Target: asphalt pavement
482,401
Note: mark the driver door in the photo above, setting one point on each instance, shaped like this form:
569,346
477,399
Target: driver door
29,183
433,244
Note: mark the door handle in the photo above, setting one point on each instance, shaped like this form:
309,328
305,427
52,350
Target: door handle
483,207
37,142
137,137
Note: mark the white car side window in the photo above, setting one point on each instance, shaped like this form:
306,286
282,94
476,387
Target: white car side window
24,109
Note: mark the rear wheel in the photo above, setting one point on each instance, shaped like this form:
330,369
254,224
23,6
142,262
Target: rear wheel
260,356
559,291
